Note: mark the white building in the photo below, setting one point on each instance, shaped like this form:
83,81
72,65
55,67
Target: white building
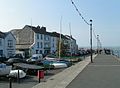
73,47
54,42
36,40
7,44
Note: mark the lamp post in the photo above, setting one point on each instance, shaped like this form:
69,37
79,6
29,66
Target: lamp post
98,44
91,40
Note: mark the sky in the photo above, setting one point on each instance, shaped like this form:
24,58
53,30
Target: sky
15,14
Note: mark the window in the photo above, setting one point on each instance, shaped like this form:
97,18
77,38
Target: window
46,37
10,43
37,36
40,51
41,37
36,51
53,45
41,44
46,45
10,53
53,39
1,53
38,45
0,42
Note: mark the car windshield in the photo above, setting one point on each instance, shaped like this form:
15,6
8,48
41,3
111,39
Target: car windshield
35,58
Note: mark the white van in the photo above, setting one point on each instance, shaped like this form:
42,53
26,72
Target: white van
20,54
36,57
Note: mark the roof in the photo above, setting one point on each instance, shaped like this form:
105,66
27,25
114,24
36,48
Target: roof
55,34
15,32
2,35
37,29
25,36
42,30
69,37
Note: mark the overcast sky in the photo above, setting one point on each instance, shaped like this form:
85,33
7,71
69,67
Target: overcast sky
15,14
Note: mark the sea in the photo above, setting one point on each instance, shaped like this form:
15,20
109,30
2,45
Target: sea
115,51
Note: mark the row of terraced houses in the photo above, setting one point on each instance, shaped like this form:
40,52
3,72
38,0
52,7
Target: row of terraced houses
35,40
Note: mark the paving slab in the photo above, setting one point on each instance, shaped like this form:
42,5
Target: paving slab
103,73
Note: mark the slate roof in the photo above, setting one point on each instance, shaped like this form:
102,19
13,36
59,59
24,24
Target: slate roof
37,29
70,37
2,35
42,30
55,34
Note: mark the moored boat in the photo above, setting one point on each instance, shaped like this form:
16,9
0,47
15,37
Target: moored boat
59,65
14,73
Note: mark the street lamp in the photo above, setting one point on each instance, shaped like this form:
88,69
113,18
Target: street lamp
98,44
91,40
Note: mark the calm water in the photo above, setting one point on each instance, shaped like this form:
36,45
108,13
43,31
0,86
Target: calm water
116,51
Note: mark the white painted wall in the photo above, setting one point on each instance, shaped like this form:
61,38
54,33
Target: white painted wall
8,49
2,45
53,42
35,47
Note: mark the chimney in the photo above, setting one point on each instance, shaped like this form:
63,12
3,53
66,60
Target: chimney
38,27
43,29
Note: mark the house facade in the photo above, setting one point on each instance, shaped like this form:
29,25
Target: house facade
36,40
7,44
72,46
44,42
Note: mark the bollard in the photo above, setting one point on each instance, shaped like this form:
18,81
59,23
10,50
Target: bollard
18,77
40,75
10,82
39,79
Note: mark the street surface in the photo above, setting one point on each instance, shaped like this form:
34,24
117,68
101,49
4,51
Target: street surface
103,73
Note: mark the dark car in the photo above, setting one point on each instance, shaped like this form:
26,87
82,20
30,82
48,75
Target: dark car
3,59
11,61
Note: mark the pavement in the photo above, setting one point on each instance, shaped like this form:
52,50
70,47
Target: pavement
103,73
62,79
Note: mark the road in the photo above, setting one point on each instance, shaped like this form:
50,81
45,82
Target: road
103,73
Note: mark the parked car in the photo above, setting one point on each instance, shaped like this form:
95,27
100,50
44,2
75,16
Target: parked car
11,61
35,57
17,55
3,59
51,57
